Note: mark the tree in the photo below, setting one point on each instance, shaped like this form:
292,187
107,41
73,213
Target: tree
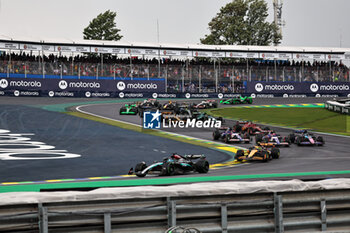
242,22
103,27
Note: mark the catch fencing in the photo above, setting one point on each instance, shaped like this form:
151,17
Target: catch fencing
310,211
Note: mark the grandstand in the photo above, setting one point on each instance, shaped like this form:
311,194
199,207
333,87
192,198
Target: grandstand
185,68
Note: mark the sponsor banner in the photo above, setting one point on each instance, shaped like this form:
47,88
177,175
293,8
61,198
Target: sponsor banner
154,52
50,48
176,53
335,57
285,56
60,48
101,50
138,51
202,54
92,86
303,56
347,56
118,50
82,49
298,88
236,54
9,46
268,56
30,47
218,54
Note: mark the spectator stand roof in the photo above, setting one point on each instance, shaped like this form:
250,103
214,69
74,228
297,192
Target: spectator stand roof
167,49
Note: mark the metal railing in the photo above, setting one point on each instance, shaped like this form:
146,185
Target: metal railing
263,212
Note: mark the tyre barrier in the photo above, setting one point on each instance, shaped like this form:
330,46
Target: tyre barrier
341,106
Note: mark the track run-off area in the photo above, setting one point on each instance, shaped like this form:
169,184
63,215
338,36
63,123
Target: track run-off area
106,145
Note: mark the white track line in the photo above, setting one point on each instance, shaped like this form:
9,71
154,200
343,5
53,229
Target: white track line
166,132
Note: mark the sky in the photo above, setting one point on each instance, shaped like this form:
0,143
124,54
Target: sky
309,23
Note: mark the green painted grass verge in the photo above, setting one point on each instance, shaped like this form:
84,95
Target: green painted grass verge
158,181
318,119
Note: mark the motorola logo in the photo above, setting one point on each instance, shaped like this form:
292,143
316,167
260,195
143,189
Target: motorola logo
62,84
314,87
259,87
4,83
121,86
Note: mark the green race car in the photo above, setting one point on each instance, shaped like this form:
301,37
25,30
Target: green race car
238,100
128,109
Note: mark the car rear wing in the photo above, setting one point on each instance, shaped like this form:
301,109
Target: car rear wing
194,156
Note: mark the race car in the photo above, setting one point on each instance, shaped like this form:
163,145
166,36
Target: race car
128,109
173,165
258,153
272,139
251,128
228,135
205,104
170,105
148,105
305,138
202,116
238,100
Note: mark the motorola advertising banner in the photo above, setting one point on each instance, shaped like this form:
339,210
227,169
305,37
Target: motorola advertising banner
298,87
72,87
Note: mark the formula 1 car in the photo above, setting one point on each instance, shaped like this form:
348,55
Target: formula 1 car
258,153
148,105
272,139
251,128
170,106
229,135
173,165
238,100
128,109
202,116
205,104
304,138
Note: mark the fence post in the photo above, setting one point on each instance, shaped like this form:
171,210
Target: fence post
43,219
171,212
278,212
224,218
324,215
107,223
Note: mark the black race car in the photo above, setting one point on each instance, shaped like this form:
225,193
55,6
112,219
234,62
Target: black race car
173,165
205,104
148,105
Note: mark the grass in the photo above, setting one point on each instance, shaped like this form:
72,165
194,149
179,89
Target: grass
317,119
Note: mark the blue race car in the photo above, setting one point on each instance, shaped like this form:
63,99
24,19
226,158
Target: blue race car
229,135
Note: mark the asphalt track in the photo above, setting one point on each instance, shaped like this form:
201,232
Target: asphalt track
108,151
334,156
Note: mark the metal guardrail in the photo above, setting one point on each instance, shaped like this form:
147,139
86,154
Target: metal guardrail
336,108
324,210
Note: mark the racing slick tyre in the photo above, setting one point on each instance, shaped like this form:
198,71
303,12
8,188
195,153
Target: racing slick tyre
202,166
320,139
275,153
265,156
170,168
291,137
215,105
120,111
227,139
249,101
239,155
298,140
216,134
258,138
139,168
266,128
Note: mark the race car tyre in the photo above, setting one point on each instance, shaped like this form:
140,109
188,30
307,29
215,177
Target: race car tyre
220,119
275,153
298,140
250,101
320,139
202,166
216,134
170,169
139,168
120,111
291,137
266,128
239,155
215,105
227,139
265,156
258,138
